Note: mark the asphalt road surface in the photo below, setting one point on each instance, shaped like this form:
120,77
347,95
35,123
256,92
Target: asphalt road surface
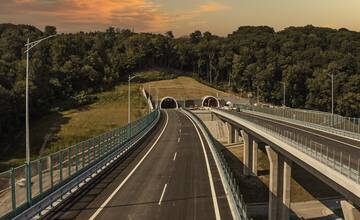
342,148
166,177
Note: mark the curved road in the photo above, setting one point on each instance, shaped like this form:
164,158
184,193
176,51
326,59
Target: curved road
165,177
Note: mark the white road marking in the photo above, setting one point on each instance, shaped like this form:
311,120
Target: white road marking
178,139
180,130
213,193
284,124
175,156
130,174
162,194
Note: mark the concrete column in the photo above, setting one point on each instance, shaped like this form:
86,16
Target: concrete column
236,136
286,199
231,132
247,152
280,186
273,182
254,167
349,211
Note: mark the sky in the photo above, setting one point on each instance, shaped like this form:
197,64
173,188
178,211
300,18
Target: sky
220,17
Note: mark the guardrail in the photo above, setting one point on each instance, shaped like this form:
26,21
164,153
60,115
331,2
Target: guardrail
345,126
340,161
232,184
26,185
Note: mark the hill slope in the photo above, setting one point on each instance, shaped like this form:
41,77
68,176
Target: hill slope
182,88
62,129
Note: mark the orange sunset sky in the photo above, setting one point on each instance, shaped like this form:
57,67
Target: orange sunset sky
181,16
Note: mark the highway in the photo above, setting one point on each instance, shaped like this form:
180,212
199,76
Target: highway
170,175
345,149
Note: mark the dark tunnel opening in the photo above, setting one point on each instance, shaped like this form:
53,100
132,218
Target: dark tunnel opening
168,103
210,102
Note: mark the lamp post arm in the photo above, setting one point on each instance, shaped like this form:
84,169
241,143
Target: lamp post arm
31,45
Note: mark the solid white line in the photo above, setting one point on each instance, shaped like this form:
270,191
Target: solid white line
175,156
162,194
284,124
229,195
130,174
213,193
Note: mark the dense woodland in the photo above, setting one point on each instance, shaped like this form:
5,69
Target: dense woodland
67,69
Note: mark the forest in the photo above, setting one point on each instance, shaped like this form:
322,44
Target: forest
66,70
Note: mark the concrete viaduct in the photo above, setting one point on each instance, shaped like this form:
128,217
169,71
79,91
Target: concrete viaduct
283,154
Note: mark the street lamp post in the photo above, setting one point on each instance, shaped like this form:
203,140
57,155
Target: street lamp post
284,95
29,45
332,98
129,104
129,99
157,98
332,94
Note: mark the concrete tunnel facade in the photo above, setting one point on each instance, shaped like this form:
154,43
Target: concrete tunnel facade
210,101
168,102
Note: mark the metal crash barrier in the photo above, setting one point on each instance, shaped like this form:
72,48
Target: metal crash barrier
336,124
52,176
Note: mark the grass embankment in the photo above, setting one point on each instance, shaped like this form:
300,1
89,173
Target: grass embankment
181,88
62,129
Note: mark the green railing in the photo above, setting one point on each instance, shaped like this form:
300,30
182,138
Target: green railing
26,185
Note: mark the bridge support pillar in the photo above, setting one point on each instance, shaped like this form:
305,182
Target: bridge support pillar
280,186
254,167
349,211
231,132
236,136
247,152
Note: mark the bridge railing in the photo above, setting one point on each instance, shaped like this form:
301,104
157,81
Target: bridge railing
340,160
22,186
345,126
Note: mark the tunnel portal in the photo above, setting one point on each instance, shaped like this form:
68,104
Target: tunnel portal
210,101
168,103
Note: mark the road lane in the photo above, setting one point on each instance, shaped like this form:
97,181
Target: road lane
343,149
171,183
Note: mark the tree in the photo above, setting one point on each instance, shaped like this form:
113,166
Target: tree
50,30
195,37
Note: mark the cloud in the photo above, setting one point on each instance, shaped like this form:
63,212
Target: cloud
74,15
212,7
205,8
23,1
92,15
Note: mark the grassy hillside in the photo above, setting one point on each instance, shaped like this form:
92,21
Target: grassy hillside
181,88
62,129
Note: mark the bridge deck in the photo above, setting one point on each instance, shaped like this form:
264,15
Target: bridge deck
344,149
171,182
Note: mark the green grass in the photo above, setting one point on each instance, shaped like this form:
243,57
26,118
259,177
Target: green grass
72,126
154,75
181,88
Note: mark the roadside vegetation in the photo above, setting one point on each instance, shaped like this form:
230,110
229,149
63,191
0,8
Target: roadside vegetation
61,129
